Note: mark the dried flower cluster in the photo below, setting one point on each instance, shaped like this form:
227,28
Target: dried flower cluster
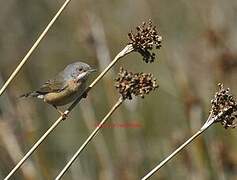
144,40
224,106
137,84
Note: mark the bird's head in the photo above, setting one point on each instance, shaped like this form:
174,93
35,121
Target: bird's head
79,71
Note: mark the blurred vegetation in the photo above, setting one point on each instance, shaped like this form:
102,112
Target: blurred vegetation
199,50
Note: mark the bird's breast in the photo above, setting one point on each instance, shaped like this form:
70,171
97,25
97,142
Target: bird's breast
67,95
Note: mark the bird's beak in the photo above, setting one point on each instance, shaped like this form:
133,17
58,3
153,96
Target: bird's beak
91,70
84,74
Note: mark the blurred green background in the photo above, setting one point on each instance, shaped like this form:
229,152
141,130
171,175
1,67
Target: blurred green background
199,49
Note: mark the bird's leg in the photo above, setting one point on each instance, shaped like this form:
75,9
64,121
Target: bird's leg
60,112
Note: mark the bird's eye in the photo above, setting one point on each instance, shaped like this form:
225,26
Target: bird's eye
79,69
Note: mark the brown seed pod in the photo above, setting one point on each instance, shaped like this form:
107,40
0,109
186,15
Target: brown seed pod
145,40
224,106
137,84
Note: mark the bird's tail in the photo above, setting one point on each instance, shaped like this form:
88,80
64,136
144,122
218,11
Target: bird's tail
31,94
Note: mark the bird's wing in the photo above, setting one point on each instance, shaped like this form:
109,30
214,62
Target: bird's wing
53,85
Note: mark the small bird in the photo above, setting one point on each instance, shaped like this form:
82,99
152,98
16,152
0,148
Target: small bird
65,86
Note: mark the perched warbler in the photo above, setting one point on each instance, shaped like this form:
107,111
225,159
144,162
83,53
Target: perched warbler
65,86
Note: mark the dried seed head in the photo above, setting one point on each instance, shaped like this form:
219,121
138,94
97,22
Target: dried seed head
224,106
137,84
144,40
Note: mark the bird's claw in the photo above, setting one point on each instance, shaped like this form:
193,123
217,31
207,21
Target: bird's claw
63,115
84,95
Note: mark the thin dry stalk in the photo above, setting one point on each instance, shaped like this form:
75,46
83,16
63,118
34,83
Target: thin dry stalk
123,53
223,110
35,45
166,160
118,103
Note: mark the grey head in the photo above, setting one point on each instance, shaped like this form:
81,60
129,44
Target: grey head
77,71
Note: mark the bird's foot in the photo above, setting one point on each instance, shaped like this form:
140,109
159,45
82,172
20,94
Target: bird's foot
64,115
84,95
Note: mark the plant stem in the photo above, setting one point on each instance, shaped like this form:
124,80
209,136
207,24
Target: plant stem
35,45
208,123
119,102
